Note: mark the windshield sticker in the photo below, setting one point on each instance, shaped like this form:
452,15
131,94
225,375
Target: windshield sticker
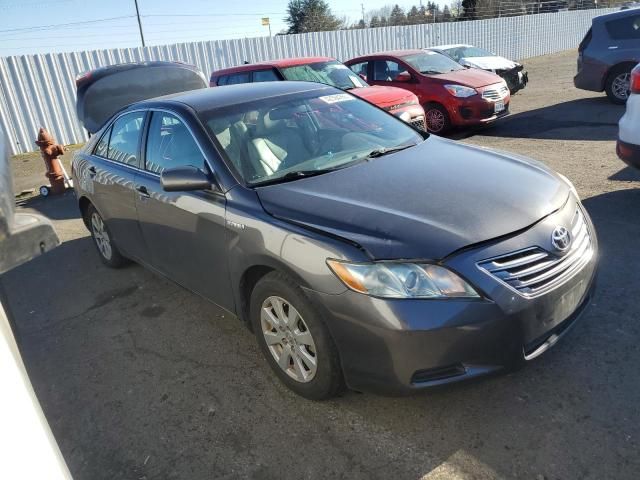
355,80
338,97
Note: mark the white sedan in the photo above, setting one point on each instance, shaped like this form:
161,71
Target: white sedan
475,57
628,146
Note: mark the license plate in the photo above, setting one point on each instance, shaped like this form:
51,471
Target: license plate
499,106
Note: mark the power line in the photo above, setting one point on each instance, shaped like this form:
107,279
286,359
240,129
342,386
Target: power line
47,27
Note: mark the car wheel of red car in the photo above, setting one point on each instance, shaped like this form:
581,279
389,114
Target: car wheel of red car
436,118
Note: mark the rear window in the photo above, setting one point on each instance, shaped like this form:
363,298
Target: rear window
585,41
627,28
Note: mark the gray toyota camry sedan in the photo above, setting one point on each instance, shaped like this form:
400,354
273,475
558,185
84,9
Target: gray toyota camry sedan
359,251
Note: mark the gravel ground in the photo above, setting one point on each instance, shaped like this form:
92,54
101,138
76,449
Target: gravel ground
143,380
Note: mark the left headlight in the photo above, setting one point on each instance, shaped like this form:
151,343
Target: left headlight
401,280
460,91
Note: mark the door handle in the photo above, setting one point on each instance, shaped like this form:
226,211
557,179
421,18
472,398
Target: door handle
142,190
613,47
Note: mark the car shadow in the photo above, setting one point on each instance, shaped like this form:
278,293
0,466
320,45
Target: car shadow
626,174
57,207
592,119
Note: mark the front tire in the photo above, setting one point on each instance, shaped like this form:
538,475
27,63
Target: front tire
436,119
103,240
618,84
294,339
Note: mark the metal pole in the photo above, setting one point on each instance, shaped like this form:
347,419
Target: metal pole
139,23
269,28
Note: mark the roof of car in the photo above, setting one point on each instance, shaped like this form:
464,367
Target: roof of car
281,62
390,53
207,98
447,47
618,14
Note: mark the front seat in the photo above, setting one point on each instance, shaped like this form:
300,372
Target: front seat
382,72
276,146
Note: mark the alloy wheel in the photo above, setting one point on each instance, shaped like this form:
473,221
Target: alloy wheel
288,339
435,120
101,236
621,85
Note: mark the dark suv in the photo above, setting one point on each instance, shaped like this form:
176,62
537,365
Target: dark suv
608,52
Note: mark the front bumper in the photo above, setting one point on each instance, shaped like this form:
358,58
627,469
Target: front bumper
476,111
629,153
395,346
516,78
415,113
628,146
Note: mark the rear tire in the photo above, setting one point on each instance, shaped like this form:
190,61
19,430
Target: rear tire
617,85
294,339
436,119
103,240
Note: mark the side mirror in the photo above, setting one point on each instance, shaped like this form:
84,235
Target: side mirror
184,179
403,77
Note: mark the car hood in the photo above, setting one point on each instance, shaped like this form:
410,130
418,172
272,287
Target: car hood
471,77
489,63
424,202
384,96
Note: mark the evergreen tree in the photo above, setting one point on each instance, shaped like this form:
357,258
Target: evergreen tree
310,16
397,16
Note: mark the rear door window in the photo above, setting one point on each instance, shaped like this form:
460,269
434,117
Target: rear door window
265,76
386,70
102,147
170,144
124,141
627,28
237,78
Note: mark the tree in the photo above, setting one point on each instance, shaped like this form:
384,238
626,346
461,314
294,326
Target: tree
310,16
446,14
413,16
397,16
469,9
375,22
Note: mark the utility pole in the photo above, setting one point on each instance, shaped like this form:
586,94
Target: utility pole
139,23
363,22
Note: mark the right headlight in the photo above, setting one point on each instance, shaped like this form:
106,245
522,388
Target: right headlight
460,91
402,280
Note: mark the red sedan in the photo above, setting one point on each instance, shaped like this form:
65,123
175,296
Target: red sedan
397,101
452,95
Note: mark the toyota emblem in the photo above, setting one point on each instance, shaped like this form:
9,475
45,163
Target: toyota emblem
561,238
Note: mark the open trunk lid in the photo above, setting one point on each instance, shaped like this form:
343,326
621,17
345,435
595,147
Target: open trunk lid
104,91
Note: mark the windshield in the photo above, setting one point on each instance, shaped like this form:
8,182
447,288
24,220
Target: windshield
302,134
432,63
459,53
330,73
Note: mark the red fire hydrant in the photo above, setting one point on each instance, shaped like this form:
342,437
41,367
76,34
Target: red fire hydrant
50,152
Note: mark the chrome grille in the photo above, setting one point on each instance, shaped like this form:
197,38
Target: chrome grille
495,93
534,271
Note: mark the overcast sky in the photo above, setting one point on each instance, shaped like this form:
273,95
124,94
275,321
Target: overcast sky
34,26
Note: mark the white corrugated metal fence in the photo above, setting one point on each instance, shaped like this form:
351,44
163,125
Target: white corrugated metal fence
39,90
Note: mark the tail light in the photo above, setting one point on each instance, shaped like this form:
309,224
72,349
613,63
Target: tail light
635,80
82,78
